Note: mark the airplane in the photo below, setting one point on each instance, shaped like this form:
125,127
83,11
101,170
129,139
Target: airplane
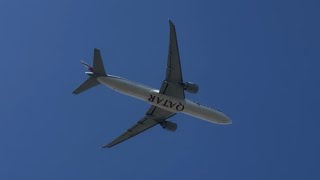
165,103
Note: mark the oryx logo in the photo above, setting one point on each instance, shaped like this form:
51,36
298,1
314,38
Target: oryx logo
166,103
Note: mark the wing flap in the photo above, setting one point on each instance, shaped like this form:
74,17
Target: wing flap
171,89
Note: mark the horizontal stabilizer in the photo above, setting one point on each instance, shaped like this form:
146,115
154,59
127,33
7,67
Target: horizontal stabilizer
89,83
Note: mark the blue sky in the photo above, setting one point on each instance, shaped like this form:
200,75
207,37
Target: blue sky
257,61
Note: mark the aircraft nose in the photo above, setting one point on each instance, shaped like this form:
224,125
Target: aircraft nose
226,120
229,121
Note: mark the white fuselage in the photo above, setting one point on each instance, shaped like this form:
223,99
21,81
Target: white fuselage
162,101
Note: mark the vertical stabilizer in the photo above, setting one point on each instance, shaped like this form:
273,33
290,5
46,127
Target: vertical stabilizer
98,67
94,72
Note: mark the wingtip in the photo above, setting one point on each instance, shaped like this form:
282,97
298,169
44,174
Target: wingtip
74,92
105,146
170,22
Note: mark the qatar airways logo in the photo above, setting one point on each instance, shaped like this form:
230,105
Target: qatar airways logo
166,103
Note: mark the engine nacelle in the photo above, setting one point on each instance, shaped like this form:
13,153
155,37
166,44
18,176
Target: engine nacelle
191,87
170,126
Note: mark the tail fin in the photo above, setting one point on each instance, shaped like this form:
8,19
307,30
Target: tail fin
95,71
98,67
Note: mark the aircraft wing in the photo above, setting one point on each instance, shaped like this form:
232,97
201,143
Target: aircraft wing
153,117
171,86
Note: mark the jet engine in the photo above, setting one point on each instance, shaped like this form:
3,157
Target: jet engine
191,87
170,126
